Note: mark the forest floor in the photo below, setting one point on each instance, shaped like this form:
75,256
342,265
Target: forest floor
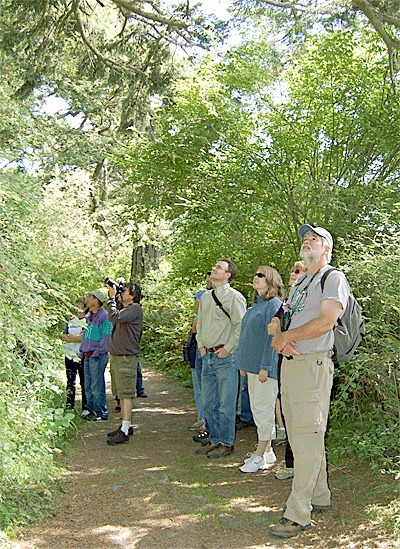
154,492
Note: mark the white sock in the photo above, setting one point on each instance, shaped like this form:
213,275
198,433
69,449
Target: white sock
125,427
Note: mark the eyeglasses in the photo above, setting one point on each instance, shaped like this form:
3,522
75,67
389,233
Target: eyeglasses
219,268
260,275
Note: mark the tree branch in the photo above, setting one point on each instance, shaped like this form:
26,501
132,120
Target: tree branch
375,18
112,64
160,18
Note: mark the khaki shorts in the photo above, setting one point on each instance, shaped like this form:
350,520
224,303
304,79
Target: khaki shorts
123,375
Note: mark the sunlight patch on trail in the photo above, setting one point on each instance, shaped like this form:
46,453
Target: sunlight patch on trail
120,535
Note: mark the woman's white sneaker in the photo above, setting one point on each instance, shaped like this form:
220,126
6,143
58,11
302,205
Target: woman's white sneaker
270,456
252,464
269,459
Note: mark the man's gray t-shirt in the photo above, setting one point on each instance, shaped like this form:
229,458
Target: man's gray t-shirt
305,304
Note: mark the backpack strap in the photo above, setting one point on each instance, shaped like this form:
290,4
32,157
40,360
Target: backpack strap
219,304
325,276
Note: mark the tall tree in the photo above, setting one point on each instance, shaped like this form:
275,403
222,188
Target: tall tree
108,61
299,16
233,159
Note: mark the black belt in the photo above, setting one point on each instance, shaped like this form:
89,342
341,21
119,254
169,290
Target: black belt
213,349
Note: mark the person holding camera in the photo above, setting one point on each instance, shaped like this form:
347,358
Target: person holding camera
140,392
126,316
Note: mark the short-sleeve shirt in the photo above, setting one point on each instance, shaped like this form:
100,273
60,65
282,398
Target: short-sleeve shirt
305,305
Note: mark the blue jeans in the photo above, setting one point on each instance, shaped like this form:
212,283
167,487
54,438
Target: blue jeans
95,385
219,387
139,380
244,410
196,378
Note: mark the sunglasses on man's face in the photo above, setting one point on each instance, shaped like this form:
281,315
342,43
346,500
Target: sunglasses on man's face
260,275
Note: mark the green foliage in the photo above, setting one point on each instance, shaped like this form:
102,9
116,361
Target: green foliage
167,319
235,170
237,153
32,418
366,411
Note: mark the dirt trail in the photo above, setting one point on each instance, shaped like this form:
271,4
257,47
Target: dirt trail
156,493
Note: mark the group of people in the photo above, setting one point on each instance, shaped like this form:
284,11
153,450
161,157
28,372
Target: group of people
95,337
282,346
279,345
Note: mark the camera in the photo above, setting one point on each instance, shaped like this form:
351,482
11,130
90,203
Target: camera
119,287
285,321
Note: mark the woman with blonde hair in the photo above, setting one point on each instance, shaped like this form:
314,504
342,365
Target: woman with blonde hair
257,359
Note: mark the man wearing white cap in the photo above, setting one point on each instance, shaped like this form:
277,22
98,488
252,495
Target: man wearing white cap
306,377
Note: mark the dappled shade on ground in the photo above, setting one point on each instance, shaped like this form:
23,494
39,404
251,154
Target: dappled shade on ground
154,492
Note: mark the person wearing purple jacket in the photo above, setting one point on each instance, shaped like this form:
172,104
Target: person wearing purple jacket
94,348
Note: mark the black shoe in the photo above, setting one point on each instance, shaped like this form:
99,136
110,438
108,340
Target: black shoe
92,416
202,437
142,395
243,424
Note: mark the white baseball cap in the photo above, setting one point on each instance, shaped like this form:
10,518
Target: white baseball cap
320,231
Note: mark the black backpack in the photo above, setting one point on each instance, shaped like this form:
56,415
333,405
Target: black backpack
349,329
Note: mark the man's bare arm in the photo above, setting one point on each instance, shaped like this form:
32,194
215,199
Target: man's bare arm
330,312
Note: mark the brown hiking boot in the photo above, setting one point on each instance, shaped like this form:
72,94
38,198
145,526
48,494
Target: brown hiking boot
286,528
220,450
119,438
113,433
205,448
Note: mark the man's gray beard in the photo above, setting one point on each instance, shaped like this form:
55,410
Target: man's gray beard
309,258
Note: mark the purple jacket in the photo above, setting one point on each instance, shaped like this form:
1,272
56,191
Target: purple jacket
96,337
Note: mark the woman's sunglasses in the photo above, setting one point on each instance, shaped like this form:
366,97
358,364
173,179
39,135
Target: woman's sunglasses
260,275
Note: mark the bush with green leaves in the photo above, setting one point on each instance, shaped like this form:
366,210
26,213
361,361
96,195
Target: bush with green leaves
168,314
365,414
32,416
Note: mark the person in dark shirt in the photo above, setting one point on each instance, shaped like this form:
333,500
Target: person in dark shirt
127,320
